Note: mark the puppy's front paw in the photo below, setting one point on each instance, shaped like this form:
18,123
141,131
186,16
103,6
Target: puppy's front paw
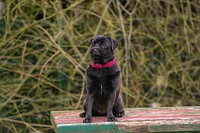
112,119
87,120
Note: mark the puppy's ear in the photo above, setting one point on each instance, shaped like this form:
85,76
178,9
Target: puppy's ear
113,43
90,42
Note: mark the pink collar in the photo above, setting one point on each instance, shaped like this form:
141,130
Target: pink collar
99,66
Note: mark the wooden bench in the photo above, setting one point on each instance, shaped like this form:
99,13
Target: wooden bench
139,120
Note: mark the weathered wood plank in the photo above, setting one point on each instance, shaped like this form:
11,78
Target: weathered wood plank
169,119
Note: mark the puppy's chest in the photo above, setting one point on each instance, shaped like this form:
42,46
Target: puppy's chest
102,92
103,89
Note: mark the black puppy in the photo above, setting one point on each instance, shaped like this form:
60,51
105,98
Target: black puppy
103,81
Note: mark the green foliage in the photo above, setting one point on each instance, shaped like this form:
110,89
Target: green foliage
44,54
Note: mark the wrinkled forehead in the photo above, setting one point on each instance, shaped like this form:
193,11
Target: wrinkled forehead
100,39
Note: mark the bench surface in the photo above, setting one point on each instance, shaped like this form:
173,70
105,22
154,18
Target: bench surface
165,119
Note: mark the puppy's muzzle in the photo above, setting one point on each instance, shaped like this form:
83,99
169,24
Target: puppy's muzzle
96,56
96,52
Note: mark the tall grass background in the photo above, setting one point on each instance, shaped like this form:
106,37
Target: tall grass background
44,54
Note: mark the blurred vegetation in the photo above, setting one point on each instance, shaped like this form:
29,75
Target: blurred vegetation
44,54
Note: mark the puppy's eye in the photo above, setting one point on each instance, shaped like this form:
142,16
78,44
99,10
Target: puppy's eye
92,44
103,45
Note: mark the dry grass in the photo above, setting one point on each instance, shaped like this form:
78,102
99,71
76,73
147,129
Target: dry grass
44,53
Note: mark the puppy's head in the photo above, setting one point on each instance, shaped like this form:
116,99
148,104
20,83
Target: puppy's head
102,49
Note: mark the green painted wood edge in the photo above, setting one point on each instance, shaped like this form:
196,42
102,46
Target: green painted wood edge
175,128
87,128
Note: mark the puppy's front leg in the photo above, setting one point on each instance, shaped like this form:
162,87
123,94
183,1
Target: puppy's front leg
111,101
89,104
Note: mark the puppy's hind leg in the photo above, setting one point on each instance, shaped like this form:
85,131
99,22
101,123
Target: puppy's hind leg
118,109
119,114
83,114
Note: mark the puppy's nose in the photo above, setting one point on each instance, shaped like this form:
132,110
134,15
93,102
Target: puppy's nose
95,50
